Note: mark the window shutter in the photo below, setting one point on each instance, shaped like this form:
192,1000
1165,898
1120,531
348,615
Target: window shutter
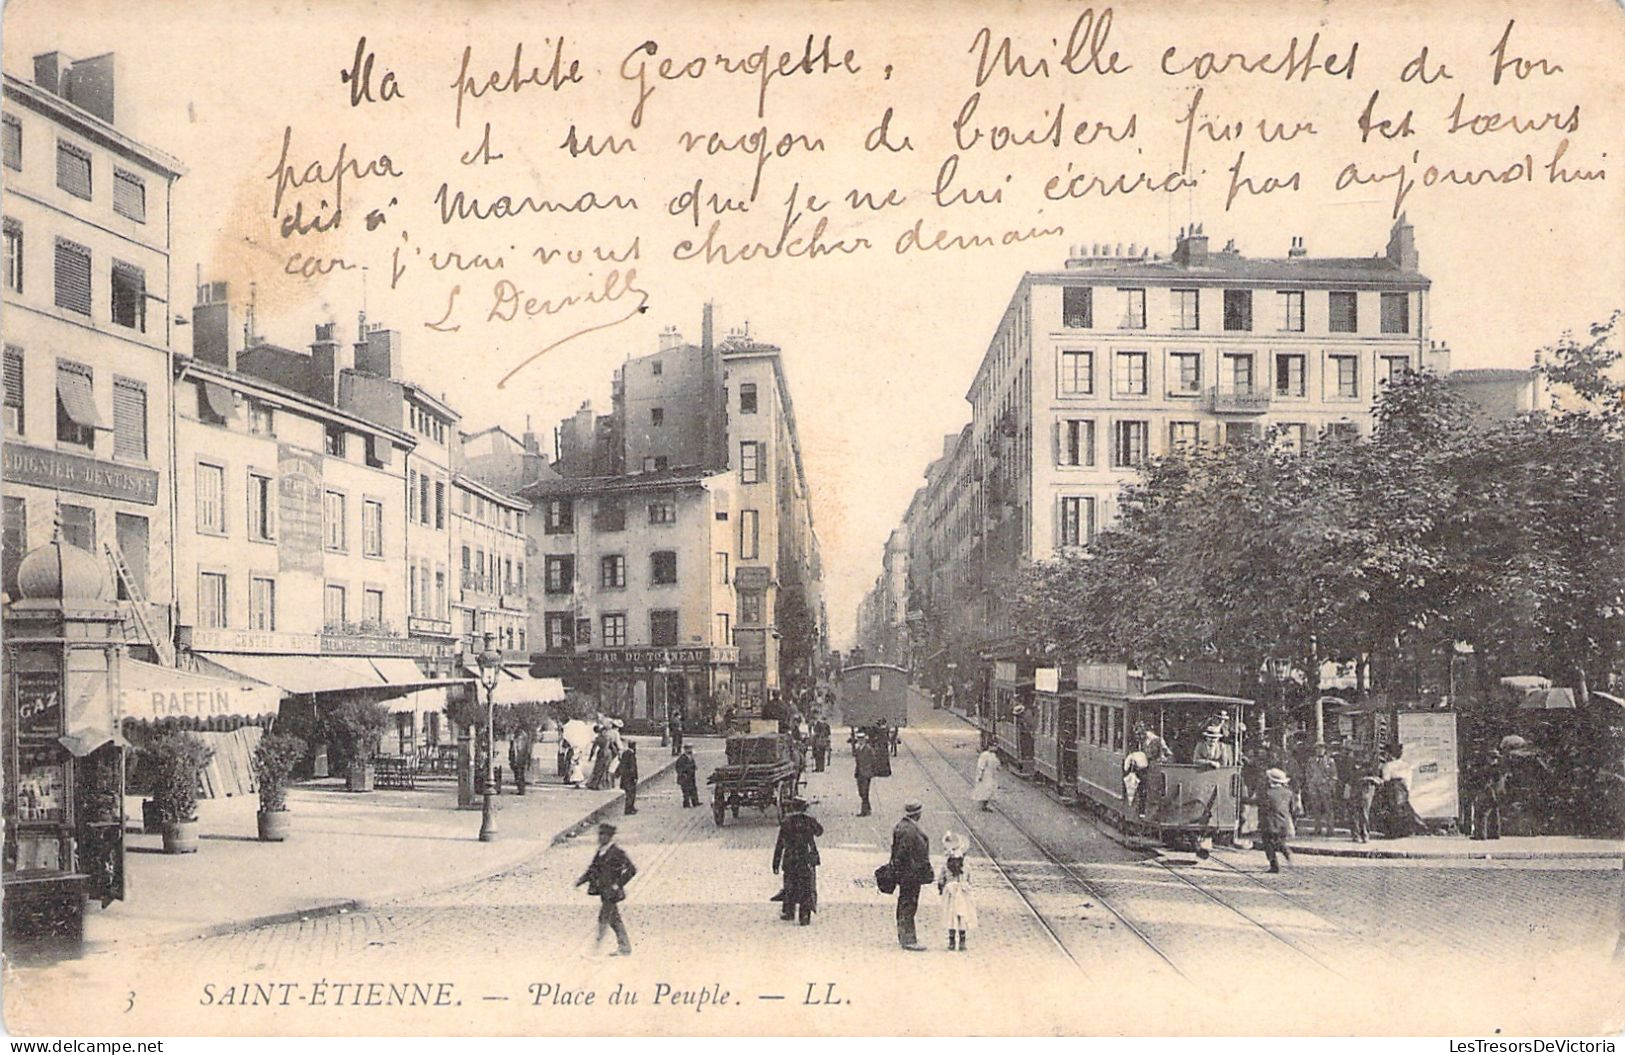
129,195
14,143
73,170
1057,434
14,378
72,276
129,418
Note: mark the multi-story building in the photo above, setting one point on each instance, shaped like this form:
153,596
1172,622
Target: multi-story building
489,545
883,614
632,591
1120,357
87,330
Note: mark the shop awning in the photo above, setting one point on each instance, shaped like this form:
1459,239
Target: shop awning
221,403
1547,700
73,389
526,689
151,692
397,671
89,721
298,675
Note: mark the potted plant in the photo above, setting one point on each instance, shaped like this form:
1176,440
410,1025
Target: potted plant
274,759
356,726
173,762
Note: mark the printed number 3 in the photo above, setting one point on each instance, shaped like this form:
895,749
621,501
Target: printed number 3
131,1005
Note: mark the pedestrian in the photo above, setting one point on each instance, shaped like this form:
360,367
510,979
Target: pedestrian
688,777
953,884
1213,752
601,755
577,768
911,867
1320,790
606,878
1363,793
1275,817
1399,819
820,738
796,853
1487,803
629,776
863,770
674,726
987,776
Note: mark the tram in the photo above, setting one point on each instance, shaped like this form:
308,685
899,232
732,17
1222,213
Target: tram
874,692
1012,724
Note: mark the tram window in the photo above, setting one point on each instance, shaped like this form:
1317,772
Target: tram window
1117,731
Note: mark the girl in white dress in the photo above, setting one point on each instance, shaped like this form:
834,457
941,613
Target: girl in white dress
953,884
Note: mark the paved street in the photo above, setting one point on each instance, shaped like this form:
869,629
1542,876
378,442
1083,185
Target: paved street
1101,937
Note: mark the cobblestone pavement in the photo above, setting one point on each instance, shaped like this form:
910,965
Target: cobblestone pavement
1391,946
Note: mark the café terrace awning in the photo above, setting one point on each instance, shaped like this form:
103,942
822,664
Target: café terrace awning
297,675
519,687
150,692
419,694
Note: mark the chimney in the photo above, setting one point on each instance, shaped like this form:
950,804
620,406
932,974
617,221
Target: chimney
707,326
1298,248
378,353
1402,245
670,339
1191,249
48,70
1437,358
89,86
532,461
327,362
211,326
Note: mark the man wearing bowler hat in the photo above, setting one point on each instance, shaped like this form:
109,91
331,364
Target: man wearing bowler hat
911,865
606,878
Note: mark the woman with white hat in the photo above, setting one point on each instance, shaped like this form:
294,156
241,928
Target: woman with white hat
953,883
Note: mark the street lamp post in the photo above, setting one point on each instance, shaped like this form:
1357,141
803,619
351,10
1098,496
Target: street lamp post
661,670
490,662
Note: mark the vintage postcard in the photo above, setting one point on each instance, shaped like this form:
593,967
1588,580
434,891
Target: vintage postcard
794,518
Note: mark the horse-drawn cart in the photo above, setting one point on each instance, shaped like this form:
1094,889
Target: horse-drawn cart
763,770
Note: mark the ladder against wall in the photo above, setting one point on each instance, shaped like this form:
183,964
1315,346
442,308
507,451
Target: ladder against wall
137,630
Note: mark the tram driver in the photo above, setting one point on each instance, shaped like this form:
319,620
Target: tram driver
1213,752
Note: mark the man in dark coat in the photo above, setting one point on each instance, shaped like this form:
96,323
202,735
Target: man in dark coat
911,865
674,725
606,878
629,776
820,744
796,853
864,770
687,777
1275,817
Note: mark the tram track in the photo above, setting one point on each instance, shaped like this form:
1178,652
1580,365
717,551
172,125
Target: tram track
1139,928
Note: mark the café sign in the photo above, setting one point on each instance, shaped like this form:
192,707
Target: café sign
672,657
73,472
269,642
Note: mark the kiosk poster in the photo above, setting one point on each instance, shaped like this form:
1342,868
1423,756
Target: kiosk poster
657,347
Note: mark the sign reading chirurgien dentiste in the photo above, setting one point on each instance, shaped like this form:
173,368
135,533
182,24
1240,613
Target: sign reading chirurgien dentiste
1193,430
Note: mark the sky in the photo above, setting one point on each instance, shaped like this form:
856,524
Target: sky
879,346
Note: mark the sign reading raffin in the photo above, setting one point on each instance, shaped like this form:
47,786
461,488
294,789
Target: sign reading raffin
72,472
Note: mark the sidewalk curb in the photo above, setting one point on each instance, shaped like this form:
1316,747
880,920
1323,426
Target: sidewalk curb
1455,855
342,906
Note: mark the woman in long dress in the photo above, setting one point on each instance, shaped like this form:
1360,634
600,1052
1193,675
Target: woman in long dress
987,778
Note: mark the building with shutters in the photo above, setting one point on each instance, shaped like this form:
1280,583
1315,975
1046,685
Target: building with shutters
489,591
87,335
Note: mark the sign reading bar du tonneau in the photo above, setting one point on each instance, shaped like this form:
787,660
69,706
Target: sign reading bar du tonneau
74,472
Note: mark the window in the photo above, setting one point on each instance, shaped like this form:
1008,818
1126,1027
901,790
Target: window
1184,435
561,574
129,195
73,169
76,417
372,528
1131,379
129,418
611,515
14,143
723,629
129,296
1077,373
663,627
1342,432
747,398
657,416
72,276
583,632
333,520
468,503
211,499
656,464
261,508
14,255
424,509
1343,314
78,526
333,442
560,517
750,462
439,505
721,562
1133,309
1077,442
1187,309
412,590
519,574
1238,309
663,567
749,542
612,572
1394,367
1293,435
211,600
131,533
261,418
657,368
1240,432
1396,313
261,604
467,580
1290,374
1238,373
1129,444
479,569
556,629
663,511
333,606
750,607
372,606
1077,527
614,630
439,591
14,390
1077,307
1346,375
1291,310
1185,373
15,542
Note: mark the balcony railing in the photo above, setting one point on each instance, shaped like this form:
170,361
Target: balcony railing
1248,400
